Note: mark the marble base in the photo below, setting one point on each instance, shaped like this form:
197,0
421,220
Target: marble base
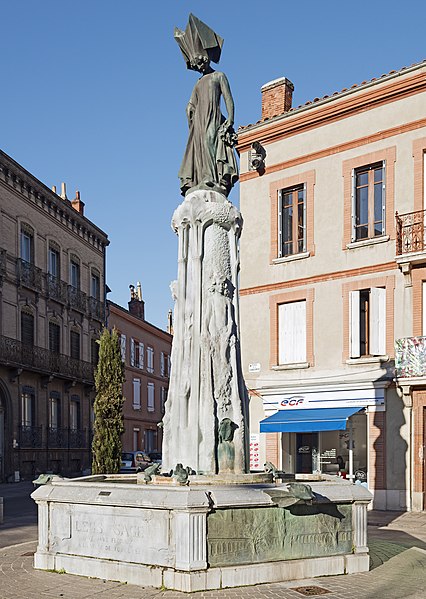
199,537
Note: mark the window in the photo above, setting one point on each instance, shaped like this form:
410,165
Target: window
150,359
136,437
123,347
27,328
75,274
136,394
75,345
95,286
27,406
292,221
150,440
141,355
75,418
368,212
94,351
27,243
54,338
54,410
53,265
162,364
292,333
151,397
367,322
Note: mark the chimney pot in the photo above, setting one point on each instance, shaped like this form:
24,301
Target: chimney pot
77,204
64,191
277,97
54,188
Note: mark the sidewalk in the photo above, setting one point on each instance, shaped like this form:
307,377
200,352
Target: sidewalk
398,560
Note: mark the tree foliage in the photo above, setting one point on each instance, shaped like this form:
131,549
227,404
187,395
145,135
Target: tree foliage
108,406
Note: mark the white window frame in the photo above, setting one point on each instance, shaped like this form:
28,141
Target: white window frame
292,348
377,322
353,200
136,394
281,193
151,397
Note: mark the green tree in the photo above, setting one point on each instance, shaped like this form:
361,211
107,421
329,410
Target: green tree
108,407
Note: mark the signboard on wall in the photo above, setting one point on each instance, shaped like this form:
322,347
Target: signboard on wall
255,452
345,398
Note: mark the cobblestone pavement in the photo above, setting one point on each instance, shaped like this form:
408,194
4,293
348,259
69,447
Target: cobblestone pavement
398,571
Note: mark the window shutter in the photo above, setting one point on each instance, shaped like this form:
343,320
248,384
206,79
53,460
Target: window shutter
141,355
136,394
132,351
162,369
280,223
151,397
292,332
354,325
123,347
299,331
378,321
353,207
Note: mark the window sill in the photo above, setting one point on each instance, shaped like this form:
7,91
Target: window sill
291,258
136,407
368,360
365,242
293,366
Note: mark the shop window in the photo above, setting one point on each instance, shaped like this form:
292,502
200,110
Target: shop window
151,397
367,323
368,205
292,221
27,328
54,337
136,394
292,332
75,345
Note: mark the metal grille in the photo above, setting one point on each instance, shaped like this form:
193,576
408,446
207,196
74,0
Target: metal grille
410,232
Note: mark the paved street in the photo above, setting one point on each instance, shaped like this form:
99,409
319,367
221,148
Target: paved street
397,546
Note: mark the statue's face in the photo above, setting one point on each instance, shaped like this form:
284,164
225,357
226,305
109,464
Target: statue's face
200,63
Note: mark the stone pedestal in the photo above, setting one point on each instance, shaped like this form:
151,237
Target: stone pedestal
199,538
205,422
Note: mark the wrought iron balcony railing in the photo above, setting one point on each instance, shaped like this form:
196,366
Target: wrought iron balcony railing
17,354
410,232
77,439
56,289
96,309
30,436
410,357
77,299
29,275
57,437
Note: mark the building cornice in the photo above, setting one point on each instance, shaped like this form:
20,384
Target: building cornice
142,324
22,182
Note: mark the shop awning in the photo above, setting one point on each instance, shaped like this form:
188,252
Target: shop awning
307,421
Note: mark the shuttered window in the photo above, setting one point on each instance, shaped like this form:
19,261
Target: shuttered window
27,328
292,332
151,397
367,322
368,201
141,355
75,345
123,347
27,407
136,394
132,351
75,413
150,359
54,410
54,337
292,220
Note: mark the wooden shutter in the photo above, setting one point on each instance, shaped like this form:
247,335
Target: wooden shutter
378,321
75,345
123,347
151,397
162,365
132,351
292,332
136,393
141,355
27,328
354,325
54,337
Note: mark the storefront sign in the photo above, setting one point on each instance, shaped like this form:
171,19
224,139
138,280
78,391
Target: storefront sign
327,399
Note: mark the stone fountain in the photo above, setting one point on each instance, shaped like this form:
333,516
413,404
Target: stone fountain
212,524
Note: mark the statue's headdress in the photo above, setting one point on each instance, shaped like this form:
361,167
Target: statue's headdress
198,39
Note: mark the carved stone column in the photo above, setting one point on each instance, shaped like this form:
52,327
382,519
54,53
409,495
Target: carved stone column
205,422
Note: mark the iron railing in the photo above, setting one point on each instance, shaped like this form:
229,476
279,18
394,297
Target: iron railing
18,354
56,289
66,438
96,309
29,275
410,357
77,299
410,232
56,437
30,436
77,438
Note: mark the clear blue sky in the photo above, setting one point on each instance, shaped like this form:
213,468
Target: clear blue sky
94,94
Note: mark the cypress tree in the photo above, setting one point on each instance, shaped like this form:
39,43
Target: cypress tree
108,406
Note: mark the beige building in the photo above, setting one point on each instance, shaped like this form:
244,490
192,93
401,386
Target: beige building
146,353
52,265
330,279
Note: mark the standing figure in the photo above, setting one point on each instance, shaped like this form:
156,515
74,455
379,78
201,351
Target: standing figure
209,161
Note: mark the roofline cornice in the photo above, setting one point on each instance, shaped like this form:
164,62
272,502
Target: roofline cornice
144,324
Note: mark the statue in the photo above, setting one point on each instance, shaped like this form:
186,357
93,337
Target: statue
209,160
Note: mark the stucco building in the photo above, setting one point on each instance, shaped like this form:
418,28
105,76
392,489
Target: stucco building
52,300
146,353
331,279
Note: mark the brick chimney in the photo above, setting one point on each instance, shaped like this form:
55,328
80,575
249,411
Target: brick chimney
136,304
277,97
77,204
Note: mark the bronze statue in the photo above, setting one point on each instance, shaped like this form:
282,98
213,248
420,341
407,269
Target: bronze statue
209,161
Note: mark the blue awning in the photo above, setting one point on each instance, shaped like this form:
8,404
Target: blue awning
307,421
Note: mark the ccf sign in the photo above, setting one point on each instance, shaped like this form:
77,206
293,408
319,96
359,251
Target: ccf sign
292,402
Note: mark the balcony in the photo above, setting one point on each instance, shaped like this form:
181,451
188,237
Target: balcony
410,239
410,357
96,309
57,438
37,359
56,289
29,275
77,299
30,437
